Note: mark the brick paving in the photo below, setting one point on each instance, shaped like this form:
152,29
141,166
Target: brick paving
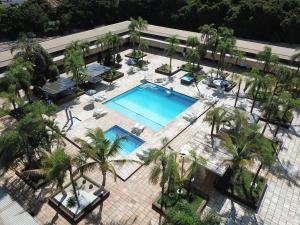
130,201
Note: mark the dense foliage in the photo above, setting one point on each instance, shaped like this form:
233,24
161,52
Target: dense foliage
270,20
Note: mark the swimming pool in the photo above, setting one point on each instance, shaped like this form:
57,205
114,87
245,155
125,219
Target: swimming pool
151,105
128,145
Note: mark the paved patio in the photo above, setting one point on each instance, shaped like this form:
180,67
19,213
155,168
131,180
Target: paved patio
130,201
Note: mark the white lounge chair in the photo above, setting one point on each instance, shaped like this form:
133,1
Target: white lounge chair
99,97
99,113
138,128
90,92
190,116
131,61
145,68
142,154
210,100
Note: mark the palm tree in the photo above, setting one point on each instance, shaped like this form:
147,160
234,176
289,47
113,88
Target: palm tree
73,63
196,162
216,117
85,47
265,156
225,46
171,49
267,57
56,166
134,37
143,46
255,85
141,26
296,59
11,150
206,32
238,55
44,67
161,159
193,56
242,146
29,139
20,73
101,152
270,109
289,103
101,41
11,97
115,40
192,42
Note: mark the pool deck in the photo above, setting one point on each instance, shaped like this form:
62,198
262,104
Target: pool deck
130,201
83,109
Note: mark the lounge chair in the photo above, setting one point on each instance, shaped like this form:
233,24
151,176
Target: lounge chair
143,154
210,100
138,128
190,116
90,92
131,61
145,68
99,113
99,97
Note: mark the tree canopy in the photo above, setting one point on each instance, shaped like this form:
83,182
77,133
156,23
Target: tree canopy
272,20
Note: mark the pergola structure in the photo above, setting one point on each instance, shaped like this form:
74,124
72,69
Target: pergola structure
62,86
95,71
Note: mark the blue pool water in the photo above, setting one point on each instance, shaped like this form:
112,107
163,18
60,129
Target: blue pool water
151,105
128,145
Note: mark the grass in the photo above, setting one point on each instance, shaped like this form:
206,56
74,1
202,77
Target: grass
171,202
136,54
242,185
189,67
165,68
2,112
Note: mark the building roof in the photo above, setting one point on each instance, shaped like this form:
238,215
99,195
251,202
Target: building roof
60,85
11,213
96,69
60,43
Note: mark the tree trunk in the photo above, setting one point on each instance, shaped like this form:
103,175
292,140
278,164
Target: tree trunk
170,71
162,199
103,179
254,100
189,188
237,94
255,178
73,186
212,128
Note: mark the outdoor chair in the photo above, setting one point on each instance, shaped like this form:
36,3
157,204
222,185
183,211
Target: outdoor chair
190,116
138,128
99,113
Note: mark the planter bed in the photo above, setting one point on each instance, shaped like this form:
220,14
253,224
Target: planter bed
188,68
116,76
165,71
137,56
198,204
237,192
35,184
99,195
